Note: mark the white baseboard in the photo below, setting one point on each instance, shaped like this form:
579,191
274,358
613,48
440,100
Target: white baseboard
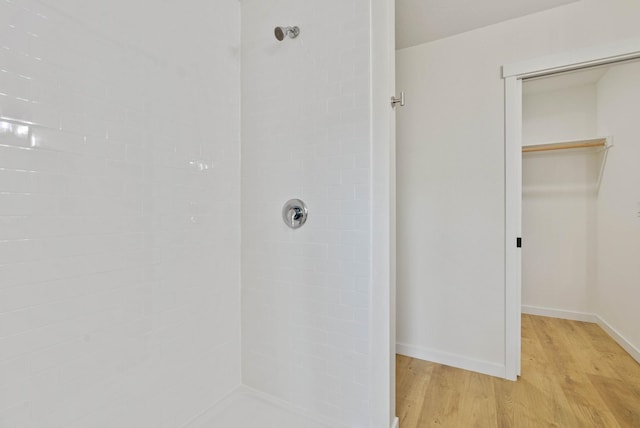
619,338
396,423
559,313
452,360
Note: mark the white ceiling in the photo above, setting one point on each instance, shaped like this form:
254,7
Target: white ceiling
421,21
589,76
570,79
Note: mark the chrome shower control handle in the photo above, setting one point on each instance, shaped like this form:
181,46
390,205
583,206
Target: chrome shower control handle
294,213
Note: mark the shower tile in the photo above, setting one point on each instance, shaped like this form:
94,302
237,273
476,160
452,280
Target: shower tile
113,211
246,409
14,322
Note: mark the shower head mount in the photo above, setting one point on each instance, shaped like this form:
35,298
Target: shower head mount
282,32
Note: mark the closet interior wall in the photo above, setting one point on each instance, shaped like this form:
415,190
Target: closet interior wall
559,200
618,207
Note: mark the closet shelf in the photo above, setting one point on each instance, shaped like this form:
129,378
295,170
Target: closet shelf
604,143
579,144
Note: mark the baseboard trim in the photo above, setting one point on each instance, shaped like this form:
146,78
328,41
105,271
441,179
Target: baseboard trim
396,423
619,338
452,360
559,313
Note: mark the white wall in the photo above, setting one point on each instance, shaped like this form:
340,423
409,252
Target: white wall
119,234
552,116
451,221
306,293
559,200
618,235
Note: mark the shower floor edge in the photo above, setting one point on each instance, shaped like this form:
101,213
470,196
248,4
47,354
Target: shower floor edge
245,407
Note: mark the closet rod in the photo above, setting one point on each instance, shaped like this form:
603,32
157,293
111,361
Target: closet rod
600,142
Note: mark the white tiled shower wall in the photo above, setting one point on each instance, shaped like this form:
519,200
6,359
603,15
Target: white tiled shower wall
306,293
119,201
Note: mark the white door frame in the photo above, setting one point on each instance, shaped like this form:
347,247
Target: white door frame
513,75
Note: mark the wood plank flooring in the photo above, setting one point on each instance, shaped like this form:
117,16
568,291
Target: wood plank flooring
573,375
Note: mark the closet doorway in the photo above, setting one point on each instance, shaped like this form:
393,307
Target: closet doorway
565,146
573,195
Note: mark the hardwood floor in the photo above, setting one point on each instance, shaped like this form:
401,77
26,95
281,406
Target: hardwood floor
573,375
